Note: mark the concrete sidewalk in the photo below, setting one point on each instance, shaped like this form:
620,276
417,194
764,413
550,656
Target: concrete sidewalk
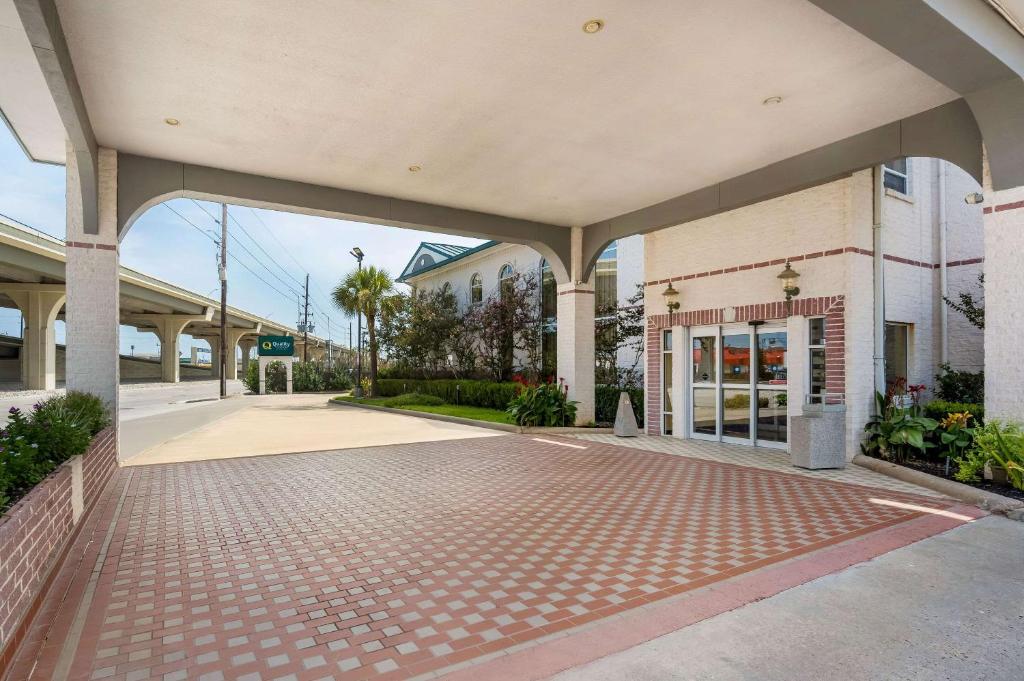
948,607
278,424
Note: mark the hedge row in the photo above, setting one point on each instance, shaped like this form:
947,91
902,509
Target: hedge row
472,393
939,409
607,403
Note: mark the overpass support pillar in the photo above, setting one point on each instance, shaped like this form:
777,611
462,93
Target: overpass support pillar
92,312
168,328
247,344
235,337
39,305
1004,312
575,342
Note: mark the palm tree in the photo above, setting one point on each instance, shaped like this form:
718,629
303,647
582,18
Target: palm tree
371,292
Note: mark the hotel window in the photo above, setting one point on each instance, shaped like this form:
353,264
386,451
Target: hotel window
896,175
476,289
897,352
606,305
816,352
666,382
549,321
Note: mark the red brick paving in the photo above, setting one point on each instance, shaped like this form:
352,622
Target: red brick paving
393,561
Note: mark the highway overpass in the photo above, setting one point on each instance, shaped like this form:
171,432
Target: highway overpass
32,279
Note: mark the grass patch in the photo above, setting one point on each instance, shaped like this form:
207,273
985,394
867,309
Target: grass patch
462,411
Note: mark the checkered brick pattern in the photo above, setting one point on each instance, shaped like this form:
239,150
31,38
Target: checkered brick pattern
395,561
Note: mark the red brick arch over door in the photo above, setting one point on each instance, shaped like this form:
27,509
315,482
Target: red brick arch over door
832,308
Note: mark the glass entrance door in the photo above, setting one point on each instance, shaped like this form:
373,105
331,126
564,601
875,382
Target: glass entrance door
738,384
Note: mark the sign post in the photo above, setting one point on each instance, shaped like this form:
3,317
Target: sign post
274,349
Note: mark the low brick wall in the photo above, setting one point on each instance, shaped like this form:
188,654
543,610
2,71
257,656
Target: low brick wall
36,531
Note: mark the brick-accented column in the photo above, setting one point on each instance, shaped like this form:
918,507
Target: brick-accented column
1004,309
652,376
92,308
576,346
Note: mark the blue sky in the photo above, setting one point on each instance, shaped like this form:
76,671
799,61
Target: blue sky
163,245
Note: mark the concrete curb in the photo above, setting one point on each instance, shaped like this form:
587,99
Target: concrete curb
988,501
506,427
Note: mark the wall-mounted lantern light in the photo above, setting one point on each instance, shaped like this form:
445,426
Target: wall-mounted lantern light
671,297
789,277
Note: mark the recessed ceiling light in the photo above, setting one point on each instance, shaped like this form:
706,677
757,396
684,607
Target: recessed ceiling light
772,100
415,169
171,121
593,26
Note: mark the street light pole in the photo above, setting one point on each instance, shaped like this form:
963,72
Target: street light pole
357,253
224,301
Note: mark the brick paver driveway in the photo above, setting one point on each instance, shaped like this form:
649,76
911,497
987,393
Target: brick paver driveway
405,560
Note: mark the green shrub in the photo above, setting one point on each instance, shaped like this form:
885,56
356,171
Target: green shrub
413,399
542,405
993,439
308,377
960,386
33,445
471,393
277,377
940,409
606,404
85,409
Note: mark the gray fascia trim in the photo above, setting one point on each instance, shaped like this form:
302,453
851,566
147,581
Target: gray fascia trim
449,261
41,22
948,132
964,44
21,142
145,182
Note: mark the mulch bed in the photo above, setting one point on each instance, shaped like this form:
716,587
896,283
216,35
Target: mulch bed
938,469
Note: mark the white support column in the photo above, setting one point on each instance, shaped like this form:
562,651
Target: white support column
39,305
576,346
1004,309
92,307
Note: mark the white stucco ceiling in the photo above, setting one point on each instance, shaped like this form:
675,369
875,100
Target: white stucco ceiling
508,106
24,97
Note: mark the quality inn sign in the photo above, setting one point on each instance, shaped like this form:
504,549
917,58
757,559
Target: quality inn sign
276,346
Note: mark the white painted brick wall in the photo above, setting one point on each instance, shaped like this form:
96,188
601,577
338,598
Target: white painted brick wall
1004,307
833,216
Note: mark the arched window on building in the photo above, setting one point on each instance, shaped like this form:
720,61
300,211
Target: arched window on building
505,277
476,289
549,321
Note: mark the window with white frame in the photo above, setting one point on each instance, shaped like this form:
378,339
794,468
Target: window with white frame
896,175
816,359
897,352
476,289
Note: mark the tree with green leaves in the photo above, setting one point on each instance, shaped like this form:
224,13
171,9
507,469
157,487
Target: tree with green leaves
371,292
973,310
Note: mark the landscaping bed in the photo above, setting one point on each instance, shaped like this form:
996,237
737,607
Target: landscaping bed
938,469
443,409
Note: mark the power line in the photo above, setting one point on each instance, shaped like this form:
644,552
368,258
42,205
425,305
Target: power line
288,253
270,232
231,255
245,248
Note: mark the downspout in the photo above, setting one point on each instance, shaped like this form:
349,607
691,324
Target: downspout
943,281
878,279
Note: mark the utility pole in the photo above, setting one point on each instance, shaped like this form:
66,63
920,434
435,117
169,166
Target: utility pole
224,301
305,325
330,346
